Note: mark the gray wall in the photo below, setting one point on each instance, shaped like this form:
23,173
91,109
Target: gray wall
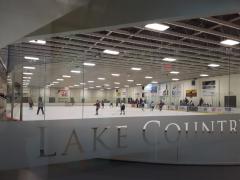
21,141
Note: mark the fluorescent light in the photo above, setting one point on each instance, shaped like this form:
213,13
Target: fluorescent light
169,59
27,73
98,86
213,65
116,82
28,67
66,76
174,72
89,64
75,71
52,84
91,81
157,27
148,77
27,78
229,42
154,82
31,58
108,88
106,85
139,84
175,79
112,52
136,69
116,87
42,42
70,86
130,80
91,87
203,75
55,82
60,79
82,83
76,85
100,78
117,75
126,86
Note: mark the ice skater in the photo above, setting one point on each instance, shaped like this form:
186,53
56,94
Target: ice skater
142,105
97,106
30,102
161,104
111,104
40,105
152,105
102,104
122,107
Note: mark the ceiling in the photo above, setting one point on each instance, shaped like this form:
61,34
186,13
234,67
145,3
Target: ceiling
195,43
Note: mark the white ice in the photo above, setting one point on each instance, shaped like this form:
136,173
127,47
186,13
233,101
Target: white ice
79,112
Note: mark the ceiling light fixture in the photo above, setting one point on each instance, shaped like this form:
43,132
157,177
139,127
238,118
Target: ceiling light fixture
117,75
28,67
75,71
204,75
136,69
213,65
100,78
174,72
66,76
60,79
82,83
148,77
229,42
27,78
76,85
106,85
98,86
91,81
139,84
89,64
112,52
31,58
116,82
175,79
168,59
154,82
42,42
27,73
157,27
130,80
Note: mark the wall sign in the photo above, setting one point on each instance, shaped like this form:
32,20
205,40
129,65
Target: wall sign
191,93
208,88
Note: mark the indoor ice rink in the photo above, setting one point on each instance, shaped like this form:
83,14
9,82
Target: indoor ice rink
181,67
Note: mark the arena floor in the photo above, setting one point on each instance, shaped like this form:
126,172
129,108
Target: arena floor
78,112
